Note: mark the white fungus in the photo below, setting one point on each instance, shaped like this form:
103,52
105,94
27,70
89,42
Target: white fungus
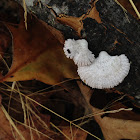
106,71
29,2
78,51
103,72
61,9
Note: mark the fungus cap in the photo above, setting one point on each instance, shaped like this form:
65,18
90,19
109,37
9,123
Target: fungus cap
78,51
106,71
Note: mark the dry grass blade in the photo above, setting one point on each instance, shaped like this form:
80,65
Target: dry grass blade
28,118
40,91
4,61
33,129
33,124
101,113
25,13
30,99
71,132
125,11
38,118
60,131
26,106
13,86
11,108
12,123
23,106
135,8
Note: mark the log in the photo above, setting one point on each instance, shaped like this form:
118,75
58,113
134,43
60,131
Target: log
117,34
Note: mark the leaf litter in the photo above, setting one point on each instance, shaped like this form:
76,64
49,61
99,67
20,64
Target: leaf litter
34,123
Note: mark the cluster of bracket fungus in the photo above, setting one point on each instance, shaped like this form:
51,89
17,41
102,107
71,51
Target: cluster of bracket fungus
105,71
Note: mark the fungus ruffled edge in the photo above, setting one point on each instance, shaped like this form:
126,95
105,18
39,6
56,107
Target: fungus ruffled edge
105,73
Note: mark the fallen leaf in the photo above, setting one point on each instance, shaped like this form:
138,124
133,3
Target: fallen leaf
76,22
116,129
5,132
5,49
38,53
25,132
5,39
74,133
118,124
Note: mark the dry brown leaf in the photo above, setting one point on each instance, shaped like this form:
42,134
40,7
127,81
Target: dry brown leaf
76,22
73,22
38,53
74,133
5,129
116,129
5,39
7,132
126,127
